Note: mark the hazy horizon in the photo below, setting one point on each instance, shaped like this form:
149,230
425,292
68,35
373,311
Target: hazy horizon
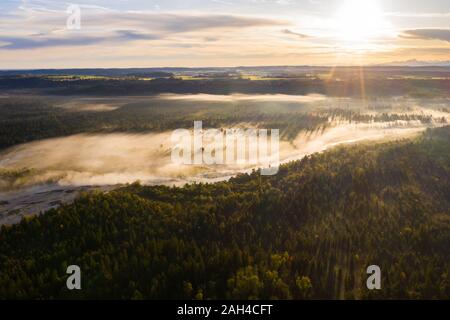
423,64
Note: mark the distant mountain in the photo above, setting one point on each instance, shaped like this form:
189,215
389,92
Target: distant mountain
416,63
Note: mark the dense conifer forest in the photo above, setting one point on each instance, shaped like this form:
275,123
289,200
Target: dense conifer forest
309,232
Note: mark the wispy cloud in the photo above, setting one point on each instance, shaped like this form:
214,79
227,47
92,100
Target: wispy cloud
427,34
102,26
43,41
293,33
424,15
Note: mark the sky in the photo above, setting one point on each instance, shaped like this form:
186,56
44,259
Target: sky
200,33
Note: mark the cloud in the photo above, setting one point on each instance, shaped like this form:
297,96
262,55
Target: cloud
418,14
47,29
17,43
194,22
427,34
130,35
102,19
290,32
43,41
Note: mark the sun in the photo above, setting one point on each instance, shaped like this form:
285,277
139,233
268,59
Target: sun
359,21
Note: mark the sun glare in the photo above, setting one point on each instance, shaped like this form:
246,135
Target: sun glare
359,21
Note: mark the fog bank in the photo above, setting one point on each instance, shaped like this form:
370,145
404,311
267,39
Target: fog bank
109,159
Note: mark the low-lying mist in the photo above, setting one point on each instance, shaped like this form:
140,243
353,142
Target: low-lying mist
109,159
244,97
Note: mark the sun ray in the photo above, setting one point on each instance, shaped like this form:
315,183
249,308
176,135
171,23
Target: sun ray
362,81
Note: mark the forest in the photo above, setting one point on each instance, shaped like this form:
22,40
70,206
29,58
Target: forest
31,118
307,233
26,119
339,82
